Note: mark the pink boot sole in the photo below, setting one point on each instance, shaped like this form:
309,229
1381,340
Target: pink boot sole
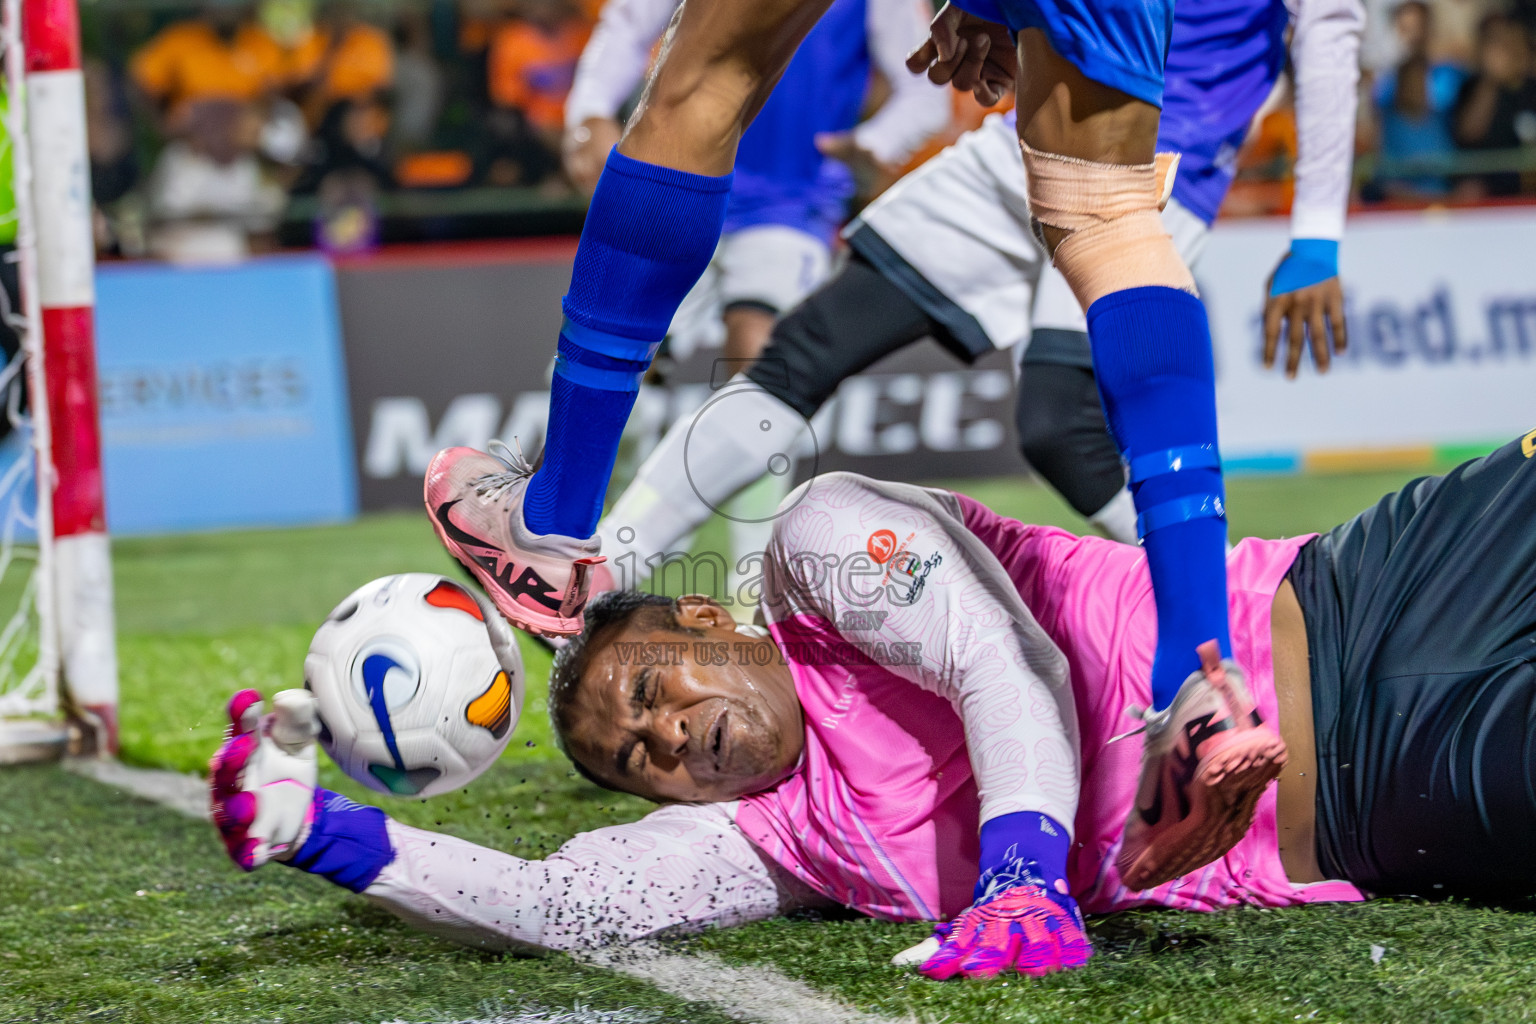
1223,794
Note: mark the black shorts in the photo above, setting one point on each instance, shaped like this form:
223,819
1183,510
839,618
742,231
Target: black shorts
1421,618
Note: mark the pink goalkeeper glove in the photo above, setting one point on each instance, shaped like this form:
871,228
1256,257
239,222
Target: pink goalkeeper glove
1026,927
262,780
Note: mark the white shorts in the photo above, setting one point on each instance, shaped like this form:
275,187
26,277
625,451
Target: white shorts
961,221
771,267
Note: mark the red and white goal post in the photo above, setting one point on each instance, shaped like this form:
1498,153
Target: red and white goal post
58,656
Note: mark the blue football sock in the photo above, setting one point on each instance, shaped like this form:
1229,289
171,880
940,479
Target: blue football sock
649,234
1152,357
1022,848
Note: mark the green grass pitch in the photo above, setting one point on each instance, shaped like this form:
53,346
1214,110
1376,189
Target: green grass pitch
112,909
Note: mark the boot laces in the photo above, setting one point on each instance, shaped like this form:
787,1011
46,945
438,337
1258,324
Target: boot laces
1142,715
1240,709
1218,681
494,485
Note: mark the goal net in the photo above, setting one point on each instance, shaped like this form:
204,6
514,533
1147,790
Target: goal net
31,713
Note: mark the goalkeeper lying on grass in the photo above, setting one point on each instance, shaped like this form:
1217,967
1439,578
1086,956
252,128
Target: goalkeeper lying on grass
926,731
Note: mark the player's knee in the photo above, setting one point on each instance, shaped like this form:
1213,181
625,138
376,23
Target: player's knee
1063,437
1045,422
791,367
1101,223
1042,433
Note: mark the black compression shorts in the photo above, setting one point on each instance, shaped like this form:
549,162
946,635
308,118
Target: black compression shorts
1421,619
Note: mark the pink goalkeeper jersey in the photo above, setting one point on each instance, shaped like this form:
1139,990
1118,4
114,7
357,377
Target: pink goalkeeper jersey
883,810
947,660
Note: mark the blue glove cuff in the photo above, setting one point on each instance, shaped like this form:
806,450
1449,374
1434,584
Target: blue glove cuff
348,843
1023,848
1310,261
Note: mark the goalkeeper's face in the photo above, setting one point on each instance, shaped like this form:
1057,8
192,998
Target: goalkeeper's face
700,716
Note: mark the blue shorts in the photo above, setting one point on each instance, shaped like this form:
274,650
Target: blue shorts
1120,43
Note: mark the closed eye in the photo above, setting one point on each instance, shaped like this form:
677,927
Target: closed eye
643,694
631,758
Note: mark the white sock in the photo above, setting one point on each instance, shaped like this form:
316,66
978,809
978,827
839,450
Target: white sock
738,435
642,432
752,513
1117,519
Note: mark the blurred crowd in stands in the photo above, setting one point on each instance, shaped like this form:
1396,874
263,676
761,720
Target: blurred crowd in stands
1447,110
216,130
207,125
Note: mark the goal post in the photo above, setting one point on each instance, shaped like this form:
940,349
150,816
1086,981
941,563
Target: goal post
70,591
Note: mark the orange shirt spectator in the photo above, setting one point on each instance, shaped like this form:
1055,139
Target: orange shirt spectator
191,60
477,23
353,65
532,63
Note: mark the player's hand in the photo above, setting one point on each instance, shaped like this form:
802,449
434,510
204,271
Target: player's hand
584,150
262,780
1018,924
1305,306
869,171
970,53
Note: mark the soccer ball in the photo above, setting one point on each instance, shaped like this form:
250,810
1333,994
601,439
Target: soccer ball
418,685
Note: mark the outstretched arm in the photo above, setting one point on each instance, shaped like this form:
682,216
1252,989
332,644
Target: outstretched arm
680,868
1306,297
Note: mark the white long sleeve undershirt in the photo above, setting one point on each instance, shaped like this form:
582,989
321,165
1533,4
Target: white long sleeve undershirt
616,58
1325,52
916,107
681,867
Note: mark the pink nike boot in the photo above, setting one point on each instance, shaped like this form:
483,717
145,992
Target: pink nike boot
1207,759
475,501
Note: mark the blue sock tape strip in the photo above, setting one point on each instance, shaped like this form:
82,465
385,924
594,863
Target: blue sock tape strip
597,378
1173,460
613,345
1181,510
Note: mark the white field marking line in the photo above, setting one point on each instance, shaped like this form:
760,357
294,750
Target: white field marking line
532,1013
758,993
185,793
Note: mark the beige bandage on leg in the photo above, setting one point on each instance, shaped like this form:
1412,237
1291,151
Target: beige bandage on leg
1115,237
